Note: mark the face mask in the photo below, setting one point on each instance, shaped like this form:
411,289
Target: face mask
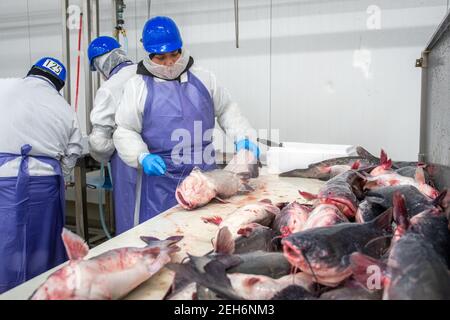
168,73
107,62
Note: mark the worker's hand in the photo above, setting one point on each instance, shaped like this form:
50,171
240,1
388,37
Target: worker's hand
248,145
153,165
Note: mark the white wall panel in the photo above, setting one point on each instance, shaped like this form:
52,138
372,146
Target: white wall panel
316,45
309,87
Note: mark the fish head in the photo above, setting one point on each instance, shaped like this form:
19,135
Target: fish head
291,218
325,215
341,197
195,190
315,255
61,285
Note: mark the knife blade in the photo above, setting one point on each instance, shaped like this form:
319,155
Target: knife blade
269,143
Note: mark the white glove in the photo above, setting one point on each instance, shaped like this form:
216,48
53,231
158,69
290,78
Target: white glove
101,145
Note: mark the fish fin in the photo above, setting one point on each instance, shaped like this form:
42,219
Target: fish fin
308,196
363,153
214,220
281,205
385,162
364,268
220,283
420,175
76,247
224,241
356,165
167,243
439,200
214,277
245,188
383,221
400,212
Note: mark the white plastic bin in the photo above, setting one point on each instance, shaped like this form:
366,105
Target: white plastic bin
297,155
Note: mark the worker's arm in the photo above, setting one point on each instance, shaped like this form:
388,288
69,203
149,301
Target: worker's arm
74,148
102,116
127,137
101,146
229,116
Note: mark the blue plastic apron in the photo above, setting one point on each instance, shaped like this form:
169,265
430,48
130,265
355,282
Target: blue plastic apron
31,221
172,105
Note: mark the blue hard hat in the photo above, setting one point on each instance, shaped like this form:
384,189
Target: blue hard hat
100,46
52,66
161,35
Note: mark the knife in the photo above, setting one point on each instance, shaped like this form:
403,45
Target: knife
269,143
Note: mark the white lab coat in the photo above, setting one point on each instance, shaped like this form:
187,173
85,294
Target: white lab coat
102,116
34,113
127,137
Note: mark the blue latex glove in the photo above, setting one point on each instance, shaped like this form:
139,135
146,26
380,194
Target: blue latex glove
248,145
153,165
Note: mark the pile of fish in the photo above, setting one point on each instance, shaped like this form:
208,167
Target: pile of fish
377,229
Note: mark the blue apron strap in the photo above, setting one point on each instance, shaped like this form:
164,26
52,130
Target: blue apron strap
7,157
23,179
57,168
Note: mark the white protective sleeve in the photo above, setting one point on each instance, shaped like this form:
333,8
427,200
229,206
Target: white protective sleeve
102,116
228,113
74,149
127,137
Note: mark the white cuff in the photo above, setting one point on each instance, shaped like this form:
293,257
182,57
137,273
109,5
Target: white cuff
142,156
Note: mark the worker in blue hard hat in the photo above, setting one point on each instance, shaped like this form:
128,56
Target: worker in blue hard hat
106,56
166,117
40,144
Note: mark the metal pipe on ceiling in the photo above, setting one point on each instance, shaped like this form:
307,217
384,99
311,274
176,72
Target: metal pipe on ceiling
66,48
236,21
87,37
96,33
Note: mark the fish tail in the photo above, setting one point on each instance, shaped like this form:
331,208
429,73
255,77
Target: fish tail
170,242
214,276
